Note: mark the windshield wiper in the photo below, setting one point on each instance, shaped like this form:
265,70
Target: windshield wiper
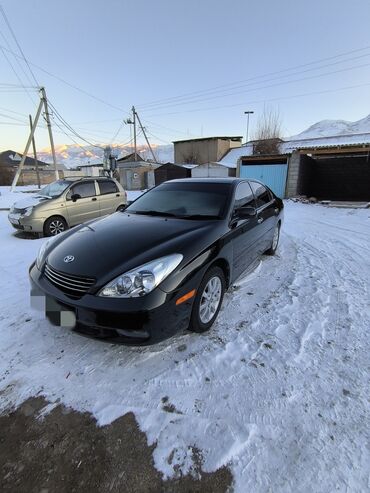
153,213
199,216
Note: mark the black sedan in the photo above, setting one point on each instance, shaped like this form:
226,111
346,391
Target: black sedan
160,266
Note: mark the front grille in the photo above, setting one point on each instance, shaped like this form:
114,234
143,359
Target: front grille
74,286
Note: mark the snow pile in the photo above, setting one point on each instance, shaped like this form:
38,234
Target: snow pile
278,389
7,198
231,158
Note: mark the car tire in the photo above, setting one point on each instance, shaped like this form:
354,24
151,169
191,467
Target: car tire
275,240
204,311
55,225
121,207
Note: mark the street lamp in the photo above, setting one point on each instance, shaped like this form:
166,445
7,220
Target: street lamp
248,113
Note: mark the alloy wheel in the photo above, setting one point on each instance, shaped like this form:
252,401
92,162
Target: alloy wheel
56,226
275,239
210,299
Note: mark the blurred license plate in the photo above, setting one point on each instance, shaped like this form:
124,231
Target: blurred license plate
13,219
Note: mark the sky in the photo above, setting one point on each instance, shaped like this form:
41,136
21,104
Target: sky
191,68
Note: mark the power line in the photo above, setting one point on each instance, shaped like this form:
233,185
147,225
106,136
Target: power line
262,87
158,138
121,110
16,74
12,117
18,45
215,88
64,123
117,132
14,123
281,98
18,62
16,86
166,128
70,137
139,133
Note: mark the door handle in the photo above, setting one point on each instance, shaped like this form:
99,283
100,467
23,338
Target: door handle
94,198
117,194
260,220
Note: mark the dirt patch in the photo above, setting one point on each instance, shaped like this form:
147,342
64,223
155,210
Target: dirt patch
66,451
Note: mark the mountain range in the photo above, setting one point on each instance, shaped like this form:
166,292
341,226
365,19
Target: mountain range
73,155
329,128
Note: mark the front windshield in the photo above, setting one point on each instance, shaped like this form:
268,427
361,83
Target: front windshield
185,200
55,189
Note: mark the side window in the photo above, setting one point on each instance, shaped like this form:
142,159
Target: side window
107,186
244,196
84,189
261,193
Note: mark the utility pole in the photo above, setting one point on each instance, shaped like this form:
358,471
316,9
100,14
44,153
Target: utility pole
35,155
146,138
43,104
47,118
134,118
25,152
248,113
133,122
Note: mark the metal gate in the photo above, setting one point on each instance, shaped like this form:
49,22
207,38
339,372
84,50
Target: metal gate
272,175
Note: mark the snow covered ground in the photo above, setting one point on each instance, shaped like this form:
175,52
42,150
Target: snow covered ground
7,198
278,389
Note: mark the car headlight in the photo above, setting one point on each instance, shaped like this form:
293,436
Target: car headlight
142,280
41,255
28,211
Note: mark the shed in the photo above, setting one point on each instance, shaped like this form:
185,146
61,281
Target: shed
170,171
212,170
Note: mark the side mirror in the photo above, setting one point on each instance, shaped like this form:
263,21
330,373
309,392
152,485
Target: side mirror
245,212
75,196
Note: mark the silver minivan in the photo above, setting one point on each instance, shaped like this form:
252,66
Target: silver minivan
66,203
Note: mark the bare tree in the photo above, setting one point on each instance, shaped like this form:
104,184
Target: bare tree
268,134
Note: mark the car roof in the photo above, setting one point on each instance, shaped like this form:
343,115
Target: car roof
227,180
81,178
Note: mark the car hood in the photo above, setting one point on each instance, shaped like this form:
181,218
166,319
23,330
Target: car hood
115,244
32,200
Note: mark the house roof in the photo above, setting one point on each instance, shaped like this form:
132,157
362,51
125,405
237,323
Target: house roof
233,138
170,166
287,147
130,157
327,142
13,158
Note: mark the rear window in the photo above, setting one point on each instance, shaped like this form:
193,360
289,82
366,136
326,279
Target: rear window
107,187
261,193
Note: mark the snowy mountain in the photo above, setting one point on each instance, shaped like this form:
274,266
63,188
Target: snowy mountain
328,128
73,155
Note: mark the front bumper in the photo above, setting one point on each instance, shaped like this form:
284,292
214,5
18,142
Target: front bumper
138,321
26,223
